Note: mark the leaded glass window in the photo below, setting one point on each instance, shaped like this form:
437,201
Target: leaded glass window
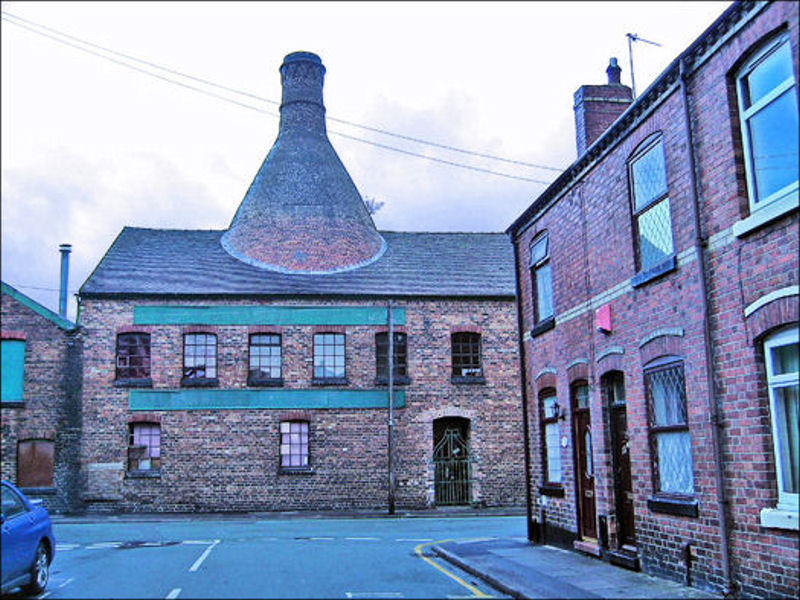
669,429
648,174
541,278
552,437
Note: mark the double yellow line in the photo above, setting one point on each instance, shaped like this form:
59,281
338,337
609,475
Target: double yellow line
475,591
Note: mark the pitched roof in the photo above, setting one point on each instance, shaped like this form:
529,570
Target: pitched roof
39,309
166,262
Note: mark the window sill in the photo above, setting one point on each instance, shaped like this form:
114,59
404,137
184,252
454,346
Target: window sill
476,380
15,404
665,266
143,382
295,471
398,380
542,326
200,382
153,474
674,505
555,490
777,518
274,382
767,214
329,381
39,491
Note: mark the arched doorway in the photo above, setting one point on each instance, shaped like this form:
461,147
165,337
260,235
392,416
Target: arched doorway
452,461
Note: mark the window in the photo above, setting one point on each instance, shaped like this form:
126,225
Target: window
199,359
12,503
400,364
265,359
653,224
144,447
133,357
466,349
541,279
670,444
13,371
781,354
294,445
329,358
35,462
552,437
767,97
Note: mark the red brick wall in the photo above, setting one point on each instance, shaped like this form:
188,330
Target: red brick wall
228,459
50,410
592,256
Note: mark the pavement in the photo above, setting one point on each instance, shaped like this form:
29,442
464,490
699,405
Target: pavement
524,570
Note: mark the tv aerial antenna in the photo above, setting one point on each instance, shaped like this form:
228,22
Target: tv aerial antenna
634,37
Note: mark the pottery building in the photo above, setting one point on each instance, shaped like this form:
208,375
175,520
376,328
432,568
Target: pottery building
271,365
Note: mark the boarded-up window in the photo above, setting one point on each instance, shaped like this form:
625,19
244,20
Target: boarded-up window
133,356
13,370
35,461
144,447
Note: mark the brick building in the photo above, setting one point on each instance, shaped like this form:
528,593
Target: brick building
252,368
41,371
658,292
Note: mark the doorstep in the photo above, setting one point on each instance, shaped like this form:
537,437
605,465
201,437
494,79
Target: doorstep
587,546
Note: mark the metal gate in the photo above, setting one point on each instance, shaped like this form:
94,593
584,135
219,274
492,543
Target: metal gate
453,469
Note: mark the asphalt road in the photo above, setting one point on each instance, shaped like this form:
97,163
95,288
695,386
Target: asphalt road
208,557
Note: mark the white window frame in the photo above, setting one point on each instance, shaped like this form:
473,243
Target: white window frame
535,266
788,192
786,500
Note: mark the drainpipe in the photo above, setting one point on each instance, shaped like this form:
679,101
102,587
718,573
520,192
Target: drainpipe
390,319
700,244
62,294
524,381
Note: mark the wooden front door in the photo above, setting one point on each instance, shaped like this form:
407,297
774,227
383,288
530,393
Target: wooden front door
584,464
614,385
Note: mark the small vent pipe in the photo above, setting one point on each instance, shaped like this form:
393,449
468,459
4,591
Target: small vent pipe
62,294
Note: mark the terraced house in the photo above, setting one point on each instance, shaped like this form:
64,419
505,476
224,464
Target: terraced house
658,280
273,364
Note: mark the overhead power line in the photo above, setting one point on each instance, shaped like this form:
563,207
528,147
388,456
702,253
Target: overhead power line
31,26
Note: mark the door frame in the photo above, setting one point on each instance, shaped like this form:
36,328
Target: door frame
577,444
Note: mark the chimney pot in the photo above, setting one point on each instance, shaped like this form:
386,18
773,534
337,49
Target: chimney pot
613,71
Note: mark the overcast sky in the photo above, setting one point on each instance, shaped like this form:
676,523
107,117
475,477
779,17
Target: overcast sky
89,145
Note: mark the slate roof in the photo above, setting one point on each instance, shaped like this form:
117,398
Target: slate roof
167,262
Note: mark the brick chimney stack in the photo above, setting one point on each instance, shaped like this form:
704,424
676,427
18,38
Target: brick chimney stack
598,106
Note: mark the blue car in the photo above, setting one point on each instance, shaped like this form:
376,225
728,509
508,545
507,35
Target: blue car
28,545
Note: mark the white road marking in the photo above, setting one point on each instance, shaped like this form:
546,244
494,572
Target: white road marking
363,539
374,595
469,541
67,582
203,556
414,540
320,538
62,547
100,545
203,542
174,594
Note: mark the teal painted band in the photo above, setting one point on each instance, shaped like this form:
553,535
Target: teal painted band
265,315
248,399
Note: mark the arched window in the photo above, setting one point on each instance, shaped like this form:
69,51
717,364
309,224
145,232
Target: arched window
767,95
781,358
647,171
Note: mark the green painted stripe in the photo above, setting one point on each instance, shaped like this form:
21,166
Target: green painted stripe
245,399
265,315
